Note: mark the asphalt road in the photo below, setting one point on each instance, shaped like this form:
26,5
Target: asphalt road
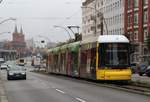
43,88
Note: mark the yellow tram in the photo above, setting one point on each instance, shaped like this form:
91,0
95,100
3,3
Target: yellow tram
99,58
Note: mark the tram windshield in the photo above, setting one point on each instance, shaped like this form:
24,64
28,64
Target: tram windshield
114,54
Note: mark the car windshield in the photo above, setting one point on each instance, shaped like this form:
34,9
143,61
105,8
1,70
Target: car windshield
15,68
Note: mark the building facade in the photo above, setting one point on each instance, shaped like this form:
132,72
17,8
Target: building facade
18,43
30,43
8,54
137,27
102,17
88,19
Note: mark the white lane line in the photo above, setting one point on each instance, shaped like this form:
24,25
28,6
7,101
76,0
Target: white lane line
81,100
60,91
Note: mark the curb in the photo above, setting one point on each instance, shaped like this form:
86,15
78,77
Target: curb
131,90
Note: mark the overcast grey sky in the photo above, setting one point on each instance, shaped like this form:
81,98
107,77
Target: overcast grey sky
37,17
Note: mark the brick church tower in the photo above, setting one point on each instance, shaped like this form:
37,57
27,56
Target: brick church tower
18,42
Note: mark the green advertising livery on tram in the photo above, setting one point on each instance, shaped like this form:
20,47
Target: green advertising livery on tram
100,58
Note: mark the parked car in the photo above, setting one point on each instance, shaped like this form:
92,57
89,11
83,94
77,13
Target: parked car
3,66
147,72
144,70
16,72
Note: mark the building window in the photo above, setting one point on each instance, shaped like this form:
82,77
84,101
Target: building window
145,34
136,3
129,4
136,35
136,19
145,16
130,35
145,2
98,5
92,28
145,50
129,20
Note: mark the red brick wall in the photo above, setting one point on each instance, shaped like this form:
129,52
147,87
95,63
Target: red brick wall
18,38
140,33
132,19
140,18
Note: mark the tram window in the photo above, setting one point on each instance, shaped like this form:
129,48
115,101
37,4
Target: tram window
84,59
93,57
102,58
114,55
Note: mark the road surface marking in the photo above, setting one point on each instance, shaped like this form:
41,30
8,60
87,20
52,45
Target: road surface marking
60,91
81,100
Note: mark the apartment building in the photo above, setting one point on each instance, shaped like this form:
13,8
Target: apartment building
137,27
102,17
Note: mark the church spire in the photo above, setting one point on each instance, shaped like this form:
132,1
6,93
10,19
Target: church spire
16,30
21,31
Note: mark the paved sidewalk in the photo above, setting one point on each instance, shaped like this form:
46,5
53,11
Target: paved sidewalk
144,79
3,96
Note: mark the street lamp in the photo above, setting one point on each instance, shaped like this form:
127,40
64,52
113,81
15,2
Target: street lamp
55,26
13,19
4,33
101,19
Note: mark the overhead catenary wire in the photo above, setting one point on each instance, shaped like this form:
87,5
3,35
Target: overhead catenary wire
69,17
40,18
